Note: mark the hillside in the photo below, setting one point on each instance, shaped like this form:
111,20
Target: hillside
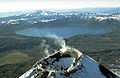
14,48
68,62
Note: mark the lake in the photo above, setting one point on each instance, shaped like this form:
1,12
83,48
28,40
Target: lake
64,31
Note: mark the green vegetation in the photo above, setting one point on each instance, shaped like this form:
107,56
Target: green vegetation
14,58
104,48
18,53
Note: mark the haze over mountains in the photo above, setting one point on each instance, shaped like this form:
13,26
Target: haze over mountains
32,17
18,52
93,10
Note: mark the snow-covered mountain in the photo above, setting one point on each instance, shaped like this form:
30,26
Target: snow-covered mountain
47,16
68,62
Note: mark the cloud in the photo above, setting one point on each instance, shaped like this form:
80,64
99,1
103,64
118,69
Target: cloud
18,5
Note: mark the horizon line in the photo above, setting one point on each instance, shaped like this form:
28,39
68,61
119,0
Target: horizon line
60,9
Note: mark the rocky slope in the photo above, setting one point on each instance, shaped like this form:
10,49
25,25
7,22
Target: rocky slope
68,62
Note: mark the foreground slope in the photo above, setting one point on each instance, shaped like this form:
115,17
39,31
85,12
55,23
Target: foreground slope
68,63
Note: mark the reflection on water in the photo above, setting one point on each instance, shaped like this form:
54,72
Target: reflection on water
65,32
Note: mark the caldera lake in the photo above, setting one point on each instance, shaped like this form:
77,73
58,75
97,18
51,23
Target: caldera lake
63,31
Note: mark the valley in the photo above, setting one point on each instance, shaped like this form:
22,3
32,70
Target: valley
98,38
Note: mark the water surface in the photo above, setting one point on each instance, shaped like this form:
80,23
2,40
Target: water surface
66,31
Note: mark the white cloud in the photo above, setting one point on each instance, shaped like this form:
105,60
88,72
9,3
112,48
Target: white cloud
18,5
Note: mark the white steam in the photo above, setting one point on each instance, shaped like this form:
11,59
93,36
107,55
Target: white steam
76,56
59,41
46,50
45,47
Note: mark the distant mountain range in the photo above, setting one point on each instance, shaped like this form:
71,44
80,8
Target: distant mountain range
94,10
105,47
7,14
34,17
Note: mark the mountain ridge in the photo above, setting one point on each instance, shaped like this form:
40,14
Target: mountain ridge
67,62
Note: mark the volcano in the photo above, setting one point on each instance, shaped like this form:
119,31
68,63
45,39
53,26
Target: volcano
68,62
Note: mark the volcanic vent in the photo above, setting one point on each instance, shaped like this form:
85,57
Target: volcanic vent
67,62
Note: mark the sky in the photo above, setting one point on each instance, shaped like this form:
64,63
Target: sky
20,5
